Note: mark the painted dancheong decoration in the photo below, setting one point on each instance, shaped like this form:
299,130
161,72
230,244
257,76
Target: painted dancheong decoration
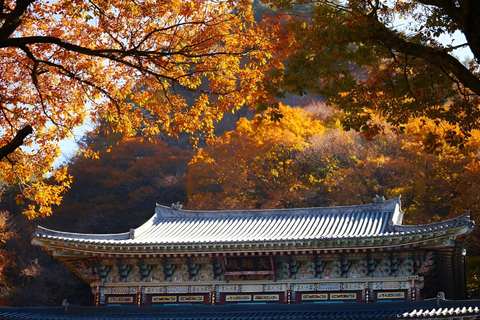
352,253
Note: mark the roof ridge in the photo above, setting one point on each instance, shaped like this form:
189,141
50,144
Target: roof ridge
162,211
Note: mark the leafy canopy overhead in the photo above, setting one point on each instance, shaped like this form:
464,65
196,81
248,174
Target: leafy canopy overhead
122,62
385,56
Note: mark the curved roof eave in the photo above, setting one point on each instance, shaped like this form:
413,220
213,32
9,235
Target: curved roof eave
43,232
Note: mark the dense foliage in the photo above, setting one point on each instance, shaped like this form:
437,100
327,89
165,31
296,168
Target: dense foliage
301,161
119,62
119,190
386,57
254,166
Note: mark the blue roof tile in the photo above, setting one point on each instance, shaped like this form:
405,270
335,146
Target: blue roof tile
388,310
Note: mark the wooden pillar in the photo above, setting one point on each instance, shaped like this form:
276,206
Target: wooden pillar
96,291
96,301
413,292
139,296
213,297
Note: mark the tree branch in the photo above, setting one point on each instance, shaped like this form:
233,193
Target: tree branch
11,146
13,19
111,54
464,13
432,55
449,7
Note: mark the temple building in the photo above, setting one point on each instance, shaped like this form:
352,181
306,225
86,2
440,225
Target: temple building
342,254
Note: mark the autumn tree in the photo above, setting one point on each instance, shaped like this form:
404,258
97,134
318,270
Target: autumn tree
385,57
111,194
120,62
6,257
30,276
436,180
254,166
119,190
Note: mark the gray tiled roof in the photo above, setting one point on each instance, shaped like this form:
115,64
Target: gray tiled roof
384,310
170,226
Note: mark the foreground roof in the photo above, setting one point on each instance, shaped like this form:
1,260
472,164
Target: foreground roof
432,308
176,226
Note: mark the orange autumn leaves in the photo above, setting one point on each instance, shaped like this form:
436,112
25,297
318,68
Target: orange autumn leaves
126,63
253,166
170,66
301,161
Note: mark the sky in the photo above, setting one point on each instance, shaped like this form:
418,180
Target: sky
70,146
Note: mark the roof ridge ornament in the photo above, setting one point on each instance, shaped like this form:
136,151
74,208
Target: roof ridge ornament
378,199
176,206
440,297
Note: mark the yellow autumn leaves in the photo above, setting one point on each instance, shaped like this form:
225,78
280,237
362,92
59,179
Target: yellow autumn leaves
128,64
255,165
302,161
